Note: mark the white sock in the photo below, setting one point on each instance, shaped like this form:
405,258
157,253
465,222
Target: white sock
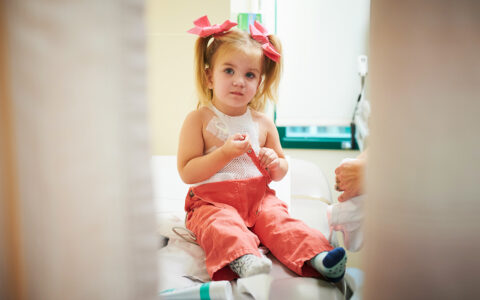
249,265
331,264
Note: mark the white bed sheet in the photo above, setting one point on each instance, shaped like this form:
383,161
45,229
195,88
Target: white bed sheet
181,258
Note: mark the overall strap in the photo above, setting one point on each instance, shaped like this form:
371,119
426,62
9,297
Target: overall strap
256,162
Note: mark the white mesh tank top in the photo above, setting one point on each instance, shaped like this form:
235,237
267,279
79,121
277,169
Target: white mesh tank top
241,167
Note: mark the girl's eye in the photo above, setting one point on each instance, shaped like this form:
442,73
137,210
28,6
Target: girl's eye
250,75
229,71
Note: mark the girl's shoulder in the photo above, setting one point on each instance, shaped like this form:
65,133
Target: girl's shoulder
257,115
262,118
205,110
200,114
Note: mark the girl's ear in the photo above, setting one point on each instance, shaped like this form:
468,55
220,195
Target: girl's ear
209,75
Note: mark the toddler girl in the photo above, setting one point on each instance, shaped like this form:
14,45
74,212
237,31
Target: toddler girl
229,152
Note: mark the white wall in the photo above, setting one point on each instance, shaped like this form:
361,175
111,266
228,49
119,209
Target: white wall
321,42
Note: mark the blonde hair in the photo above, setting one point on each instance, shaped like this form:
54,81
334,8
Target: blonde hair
208,48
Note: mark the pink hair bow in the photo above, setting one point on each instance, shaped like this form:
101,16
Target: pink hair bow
203,28
260,34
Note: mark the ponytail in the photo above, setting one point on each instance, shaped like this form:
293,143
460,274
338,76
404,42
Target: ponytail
268,90
201,81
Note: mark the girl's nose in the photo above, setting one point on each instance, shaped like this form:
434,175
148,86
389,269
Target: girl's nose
238,81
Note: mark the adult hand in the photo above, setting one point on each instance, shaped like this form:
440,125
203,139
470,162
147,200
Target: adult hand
349,178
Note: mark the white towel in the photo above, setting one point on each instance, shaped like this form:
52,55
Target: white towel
347,217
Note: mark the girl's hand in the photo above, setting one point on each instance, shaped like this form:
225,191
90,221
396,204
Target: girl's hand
236,145
268,158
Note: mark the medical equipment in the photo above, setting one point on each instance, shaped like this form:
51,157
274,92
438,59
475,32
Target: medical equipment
213,290
362,62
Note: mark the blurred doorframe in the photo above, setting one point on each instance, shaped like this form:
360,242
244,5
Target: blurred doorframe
12,283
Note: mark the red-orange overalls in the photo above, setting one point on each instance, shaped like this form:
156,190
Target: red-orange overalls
231,218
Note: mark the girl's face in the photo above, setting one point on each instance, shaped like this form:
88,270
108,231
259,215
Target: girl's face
234,79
